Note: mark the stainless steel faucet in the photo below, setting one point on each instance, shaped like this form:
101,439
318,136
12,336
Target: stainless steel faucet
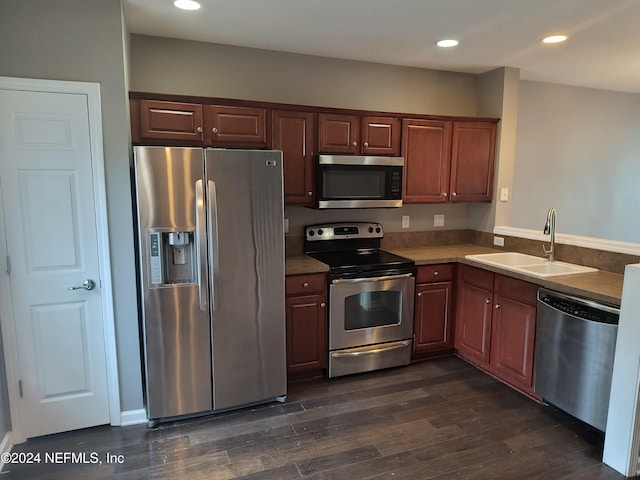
550,229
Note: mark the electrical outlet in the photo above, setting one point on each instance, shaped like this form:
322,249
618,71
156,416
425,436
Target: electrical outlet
405,221
286,225
504,194
438,220
498,241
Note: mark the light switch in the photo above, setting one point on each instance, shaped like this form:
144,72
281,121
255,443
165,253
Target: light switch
504,194
405,221
286,225
438,220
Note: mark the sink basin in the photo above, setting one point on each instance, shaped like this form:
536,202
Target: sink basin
529,264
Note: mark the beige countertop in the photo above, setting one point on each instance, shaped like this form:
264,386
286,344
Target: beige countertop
600,286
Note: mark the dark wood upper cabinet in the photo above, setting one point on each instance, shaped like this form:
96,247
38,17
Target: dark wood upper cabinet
448,161
472,161
171,121
338,134
294,133
355,135
426,148
380,136
226,125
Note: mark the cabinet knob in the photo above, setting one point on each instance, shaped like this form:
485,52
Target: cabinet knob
445,195
354,143
436,273
322,305
309,194
214,130
366,144
453,194
199,129
305,284
419,294
498,306
487,301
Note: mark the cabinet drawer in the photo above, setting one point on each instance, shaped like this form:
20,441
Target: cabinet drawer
303,284
435,273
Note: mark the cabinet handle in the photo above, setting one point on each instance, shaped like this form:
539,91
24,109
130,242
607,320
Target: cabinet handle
354,143
309,194
305,284
199,129
498,306
487,301
214,130
366,144
322,305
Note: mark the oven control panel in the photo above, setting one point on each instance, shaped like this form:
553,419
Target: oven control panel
340,231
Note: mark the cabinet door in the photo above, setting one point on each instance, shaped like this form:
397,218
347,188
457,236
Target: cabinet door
235,126
306,333
426,148
432,324
293,133
380,136
512,341
473,313
472,161
338,134
174,122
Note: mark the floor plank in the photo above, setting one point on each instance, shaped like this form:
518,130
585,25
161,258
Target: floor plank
440,419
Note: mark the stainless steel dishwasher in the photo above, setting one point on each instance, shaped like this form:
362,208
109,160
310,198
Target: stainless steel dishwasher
575,346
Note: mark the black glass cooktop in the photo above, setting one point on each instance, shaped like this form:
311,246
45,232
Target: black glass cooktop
365,261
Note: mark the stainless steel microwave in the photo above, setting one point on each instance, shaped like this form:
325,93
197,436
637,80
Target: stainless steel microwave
346,181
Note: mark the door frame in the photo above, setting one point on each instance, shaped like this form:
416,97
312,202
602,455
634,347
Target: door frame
92,92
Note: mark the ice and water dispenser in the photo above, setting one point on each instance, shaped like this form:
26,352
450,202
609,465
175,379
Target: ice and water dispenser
172,257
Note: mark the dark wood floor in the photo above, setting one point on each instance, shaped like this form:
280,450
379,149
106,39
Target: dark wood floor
441,419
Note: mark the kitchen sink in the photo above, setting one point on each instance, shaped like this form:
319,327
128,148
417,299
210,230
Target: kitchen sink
529,264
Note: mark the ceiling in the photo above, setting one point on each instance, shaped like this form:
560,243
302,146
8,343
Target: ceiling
603,49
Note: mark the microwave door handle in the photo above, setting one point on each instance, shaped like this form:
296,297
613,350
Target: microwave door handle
339,281
214,254
201,247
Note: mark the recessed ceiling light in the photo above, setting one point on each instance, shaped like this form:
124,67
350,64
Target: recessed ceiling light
187,4
447,43
554,39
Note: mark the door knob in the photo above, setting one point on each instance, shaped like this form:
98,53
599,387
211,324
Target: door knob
88,284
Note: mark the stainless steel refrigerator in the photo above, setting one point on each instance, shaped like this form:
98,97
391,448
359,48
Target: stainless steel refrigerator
211,243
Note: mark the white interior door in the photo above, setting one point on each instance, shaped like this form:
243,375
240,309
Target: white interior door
50,220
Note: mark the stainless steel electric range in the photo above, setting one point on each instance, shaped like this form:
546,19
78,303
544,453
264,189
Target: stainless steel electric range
370,297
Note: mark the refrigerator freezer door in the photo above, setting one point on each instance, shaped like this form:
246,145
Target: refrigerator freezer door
246,262
176,329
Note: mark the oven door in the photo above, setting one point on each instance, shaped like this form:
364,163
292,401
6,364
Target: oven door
368,311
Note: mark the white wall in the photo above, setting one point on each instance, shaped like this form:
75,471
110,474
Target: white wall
578,150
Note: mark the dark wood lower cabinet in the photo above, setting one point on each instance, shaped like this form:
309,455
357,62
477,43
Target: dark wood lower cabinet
495,325
433,317
306,317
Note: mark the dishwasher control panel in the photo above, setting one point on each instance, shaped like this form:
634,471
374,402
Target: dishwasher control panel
580,308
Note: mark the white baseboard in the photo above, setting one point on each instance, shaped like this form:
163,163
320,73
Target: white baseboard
567,239
5,446
133,417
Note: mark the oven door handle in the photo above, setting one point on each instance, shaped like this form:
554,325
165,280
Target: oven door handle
338,281
394,346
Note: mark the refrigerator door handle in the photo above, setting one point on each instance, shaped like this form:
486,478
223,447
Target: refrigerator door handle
214,254
201,246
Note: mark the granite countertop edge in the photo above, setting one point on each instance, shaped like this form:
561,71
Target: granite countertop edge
602,286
